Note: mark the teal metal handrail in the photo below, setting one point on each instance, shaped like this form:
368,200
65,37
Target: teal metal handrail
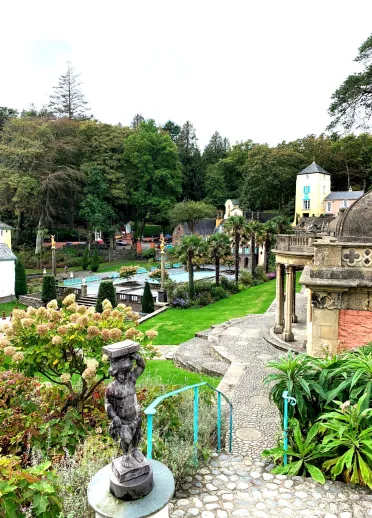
292,401
151,410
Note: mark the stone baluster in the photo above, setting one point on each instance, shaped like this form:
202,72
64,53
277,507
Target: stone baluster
279,311
288,334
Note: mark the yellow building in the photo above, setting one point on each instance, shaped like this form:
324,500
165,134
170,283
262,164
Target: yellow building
313,184
6,234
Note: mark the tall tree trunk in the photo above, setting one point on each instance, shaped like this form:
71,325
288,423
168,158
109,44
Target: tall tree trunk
252,253
191,277
111,249
237,243
267,254
217,265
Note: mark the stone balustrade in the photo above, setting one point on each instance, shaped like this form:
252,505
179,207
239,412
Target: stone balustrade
295,243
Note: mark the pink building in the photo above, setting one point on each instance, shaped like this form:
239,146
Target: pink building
340,200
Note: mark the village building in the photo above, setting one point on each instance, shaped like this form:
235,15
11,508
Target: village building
7,264
336,259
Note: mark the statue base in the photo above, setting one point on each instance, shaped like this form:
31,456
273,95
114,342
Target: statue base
155,503
124,474
162,296
133,488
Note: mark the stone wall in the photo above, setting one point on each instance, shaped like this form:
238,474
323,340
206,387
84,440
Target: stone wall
125,254
28,300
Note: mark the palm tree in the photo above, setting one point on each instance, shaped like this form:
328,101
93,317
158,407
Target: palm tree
265,236
219,247
252,228
191,247
236,228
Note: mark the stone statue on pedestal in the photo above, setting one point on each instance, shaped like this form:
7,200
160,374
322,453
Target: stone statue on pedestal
131,473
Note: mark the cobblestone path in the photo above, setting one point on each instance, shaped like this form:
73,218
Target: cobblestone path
241,484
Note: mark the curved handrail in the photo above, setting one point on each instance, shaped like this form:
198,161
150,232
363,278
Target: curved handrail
151,410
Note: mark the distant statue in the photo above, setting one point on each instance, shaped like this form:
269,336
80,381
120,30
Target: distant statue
162,244
132,475
53,242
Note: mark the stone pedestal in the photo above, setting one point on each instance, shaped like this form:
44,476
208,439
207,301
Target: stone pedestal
162,296
155,503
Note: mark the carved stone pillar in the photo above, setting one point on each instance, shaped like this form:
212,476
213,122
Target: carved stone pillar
309,307
288,334
279,312
294,316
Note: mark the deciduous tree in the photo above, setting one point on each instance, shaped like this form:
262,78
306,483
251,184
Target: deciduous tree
191,212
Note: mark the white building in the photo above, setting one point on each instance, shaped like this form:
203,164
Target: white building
7,264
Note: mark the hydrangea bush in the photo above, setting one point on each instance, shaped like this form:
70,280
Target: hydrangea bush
128,271
65,345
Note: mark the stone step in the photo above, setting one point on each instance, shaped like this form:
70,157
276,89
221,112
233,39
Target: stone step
87,301
203,334
197,355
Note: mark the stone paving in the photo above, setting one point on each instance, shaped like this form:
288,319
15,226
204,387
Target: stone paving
236,486
241,484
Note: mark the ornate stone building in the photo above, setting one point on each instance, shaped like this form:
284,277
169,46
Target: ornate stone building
337,272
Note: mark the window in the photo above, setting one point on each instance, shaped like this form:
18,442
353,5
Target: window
307,189
329,206
306,204
307,176
323,189
344,204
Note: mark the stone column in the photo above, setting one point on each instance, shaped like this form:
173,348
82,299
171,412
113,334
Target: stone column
309,307
294,316
288,334
279,312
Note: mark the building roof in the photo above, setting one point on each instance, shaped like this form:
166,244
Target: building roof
356,224
313,168
344,195
204,227
235,203
6,254
4,226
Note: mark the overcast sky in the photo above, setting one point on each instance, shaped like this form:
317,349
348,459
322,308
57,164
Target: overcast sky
258,69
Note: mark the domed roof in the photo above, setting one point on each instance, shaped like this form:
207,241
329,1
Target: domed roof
356,224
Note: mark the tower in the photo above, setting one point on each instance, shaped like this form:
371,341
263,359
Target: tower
6,234
313,184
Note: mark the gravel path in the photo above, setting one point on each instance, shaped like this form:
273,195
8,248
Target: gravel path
241,484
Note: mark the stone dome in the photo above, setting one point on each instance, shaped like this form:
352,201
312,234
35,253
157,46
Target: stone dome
356,224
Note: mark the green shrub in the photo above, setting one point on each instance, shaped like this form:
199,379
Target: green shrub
204,298
20,287
259,275
245,277
86,259
31,490
95,261
48,290
147,299
149,253
228,285
218,293
106,291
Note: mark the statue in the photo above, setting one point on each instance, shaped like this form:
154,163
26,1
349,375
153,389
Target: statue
53,242
162,244
123,410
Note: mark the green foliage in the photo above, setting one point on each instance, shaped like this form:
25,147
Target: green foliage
191,212
348,441
149,253
303,452
126,272
106,291
219,249
86,259
48,291
68,100
351,102
25,489
95,261
20,287
238,230
218,293
245,278
228,285
147,300
259,275
192,167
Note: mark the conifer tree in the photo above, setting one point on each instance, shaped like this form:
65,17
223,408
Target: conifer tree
48,290
68,99
95,261
106,291
147,300
20,287
86,259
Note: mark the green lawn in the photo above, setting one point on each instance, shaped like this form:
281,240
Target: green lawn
172,375
178,325
8,307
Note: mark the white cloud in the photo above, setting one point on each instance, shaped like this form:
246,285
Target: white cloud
250,69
